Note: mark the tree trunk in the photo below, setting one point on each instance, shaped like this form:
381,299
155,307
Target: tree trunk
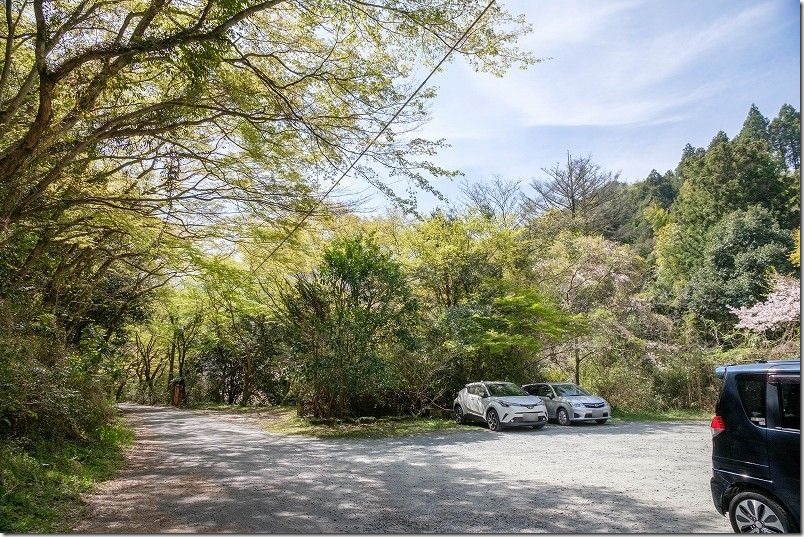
172,361
119,393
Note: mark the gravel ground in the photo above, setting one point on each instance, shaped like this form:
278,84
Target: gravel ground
192,471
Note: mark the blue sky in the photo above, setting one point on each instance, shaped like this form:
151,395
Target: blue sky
630,82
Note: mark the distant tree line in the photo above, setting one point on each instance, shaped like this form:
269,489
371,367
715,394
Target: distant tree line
634,290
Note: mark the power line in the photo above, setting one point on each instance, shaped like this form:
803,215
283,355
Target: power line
320,200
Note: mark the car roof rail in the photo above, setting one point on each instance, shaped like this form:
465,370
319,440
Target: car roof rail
720,371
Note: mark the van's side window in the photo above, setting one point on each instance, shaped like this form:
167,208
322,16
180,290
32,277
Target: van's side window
790,405
752,394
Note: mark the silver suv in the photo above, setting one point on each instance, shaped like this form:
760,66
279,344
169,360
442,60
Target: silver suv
569,402
499,404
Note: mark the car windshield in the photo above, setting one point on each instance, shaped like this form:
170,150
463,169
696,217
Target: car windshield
568,390
498,389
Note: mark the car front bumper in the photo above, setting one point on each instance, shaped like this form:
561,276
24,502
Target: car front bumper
521,416
590,414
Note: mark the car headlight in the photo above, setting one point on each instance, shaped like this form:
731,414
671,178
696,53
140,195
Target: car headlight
504,403
577,404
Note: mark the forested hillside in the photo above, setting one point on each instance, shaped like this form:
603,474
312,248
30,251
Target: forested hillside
155,164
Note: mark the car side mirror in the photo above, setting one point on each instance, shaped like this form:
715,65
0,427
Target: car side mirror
550,396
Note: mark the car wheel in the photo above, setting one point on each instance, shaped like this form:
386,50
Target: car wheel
459,418
493,420
752,512
540,426
562,417
601,422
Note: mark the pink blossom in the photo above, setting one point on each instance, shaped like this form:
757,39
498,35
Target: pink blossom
780,308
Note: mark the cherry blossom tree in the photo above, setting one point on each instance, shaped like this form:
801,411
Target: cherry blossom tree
779,310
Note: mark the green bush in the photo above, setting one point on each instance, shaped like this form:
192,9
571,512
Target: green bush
59,400
622,385
687,381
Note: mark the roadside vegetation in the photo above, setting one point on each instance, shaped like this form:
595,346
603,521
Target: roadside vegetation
289,422
635,291
668,415
41,481
286,420
162,240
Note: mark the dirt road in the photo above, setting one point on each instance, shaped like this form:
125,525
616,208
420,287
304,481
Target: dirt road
211,472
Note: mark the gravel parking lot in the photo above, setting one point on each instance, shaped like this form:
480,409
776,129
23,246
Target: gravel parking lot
211,472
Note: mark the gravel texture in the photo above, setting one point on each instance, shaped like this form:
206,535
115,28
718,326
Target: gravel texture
192,471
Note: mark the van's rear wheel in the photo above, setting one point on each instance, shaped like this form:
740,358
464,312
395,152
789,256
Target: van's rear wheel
752,512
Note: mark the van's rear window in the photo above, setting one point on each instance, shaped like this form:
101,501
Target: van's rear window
752,395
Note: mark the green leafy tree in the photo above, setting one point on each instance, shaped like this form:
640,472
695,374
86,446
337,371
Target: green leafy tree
139,139
741,250
585,275
452,257
343,320
785,136
500,336
159,106
728,176
755,126
625,214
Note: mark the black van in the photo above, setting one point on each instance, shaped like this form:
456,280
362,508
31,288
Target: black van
756,447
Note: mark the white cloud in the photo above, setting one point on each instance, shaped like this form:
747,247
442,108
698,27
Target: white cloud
667,54
556,24
599,76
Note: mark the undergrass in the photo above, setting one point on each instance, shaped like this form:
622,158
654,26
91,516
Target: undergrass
668,415
290,423
41,483
284,420
238,409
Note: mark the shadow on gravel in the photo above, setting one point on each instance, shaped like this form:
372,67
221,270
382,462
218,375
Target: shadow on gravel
218,475
618,428
583,429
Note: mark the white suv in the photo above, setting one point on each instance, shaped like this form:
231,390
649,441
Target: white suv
499,404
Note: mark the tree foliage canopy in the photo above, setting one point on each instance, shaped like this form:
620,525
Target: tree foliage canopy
177,111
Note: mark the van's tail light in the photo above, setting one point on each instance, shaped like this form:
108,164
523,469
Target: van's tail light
717,425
